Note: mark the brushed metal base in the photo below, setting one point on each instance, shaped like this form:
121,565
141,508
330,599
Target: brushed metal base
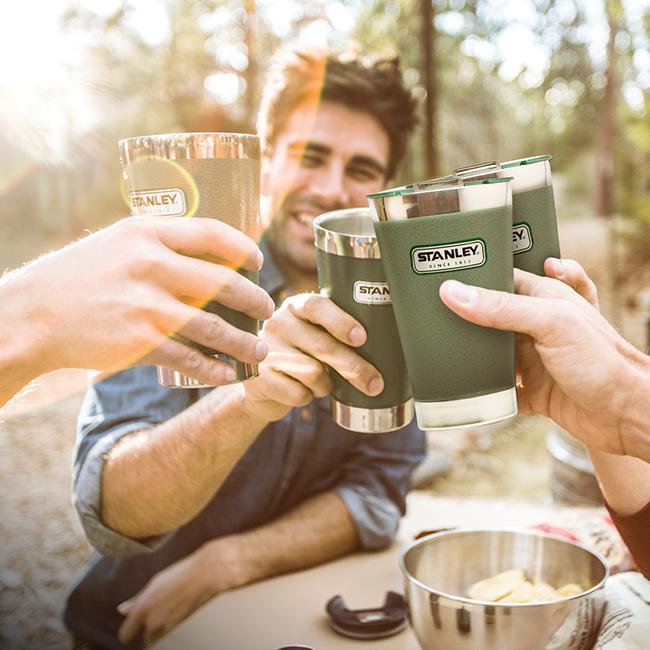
468,412
365,420
174,379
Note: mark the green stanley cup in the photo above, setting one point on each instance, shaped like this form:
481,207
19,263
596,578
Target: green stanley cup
534,229
214,175
462,374
350,272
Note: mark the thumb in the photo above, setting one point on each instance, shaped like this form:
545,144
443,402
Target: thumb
499,309
123,608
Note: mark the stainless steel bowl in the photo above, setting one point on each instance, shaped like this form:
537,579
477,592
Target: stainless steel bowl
440,568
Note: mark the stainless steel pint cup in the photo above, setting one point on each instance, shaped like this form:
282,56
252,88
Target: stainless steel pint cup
213,175
350,272
461,374
534,229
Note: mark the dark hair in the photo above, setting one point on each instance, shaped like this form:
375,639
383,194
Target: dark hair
376,87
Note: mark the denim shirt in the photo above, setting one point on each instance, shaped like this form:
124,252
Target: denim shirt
299,456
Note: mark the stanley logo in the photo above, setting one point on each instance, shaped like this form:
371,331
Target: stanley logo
448,257
157,203
371,293
522,238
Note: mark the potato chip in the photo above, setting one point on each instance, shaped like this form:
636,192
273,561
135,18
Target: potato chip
520,594
497,586
571,589
513,587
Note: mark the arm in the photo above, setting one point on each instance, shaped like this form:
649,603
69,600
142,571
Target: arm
111,300
157,479
362,510
176,467
315,531
624,481
22,357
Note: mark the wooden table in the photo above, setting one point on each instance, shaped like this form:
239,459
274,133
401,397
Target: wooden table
290,609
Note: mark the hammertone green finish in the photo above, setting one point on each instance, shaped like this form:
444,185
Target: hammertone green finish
537,209
337,275
224,189
447,357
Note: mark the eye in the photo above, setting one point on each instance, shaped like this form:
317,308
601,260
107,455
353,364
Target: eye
363,174
310,159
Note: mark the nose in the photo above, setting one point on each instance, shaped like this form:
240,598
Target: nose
328,185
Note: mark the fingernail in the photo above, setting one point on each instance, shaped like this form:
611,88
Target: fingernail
230,374
357,335
259,260
376,385
460,292
557,266
123,608
261,350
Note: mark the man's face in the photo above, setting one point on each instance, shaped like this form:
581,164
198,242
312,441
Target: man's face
324,159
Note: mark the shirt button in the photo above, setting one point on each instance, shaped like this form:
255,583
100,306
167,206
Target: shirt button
305,414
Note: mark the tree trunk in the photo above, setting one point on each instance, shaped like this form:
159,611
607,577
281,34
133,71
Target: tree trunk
430,81
605,200
251,73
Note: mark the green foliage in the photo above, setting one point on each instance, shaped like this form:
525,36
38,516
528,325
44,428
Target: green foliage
489,107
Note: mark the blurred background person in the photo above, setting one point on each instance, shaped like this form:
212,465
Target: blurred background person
256,479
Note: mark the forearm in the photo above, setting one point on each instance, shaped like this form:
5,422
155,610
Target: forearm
316,531
22,339
15,372
624,481
158,479
635,430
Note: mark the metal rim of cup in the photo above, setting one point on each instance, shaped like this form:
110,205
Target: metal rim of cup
526,173
441,198
184,146
469,601
348,233
175,379
372,420
467,412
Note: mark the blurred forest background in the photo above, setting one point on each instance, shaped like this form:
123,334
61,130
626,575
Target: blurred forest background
497,79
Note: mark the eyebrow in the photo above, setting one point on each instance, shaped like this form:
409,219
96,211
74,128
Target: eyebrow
317,147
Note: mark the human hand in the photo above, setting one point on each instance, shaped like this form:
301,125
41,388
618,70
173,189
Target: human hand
305,335
112,299
575,368
178,591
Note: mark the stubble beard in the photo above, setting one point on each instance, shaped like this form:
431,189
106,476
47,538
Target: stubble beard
301,257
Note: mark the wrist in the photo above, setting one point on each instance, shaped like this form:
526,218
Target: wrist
258,412
222,566
635,427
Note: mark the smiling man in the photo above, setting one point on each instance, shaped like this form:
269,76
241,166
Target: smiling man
203,491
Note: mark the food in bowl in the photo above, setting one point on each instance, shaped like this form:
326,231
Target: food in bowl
439,568
514,587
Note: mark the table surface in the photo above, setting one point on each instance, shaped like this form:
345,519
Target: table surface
290,609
